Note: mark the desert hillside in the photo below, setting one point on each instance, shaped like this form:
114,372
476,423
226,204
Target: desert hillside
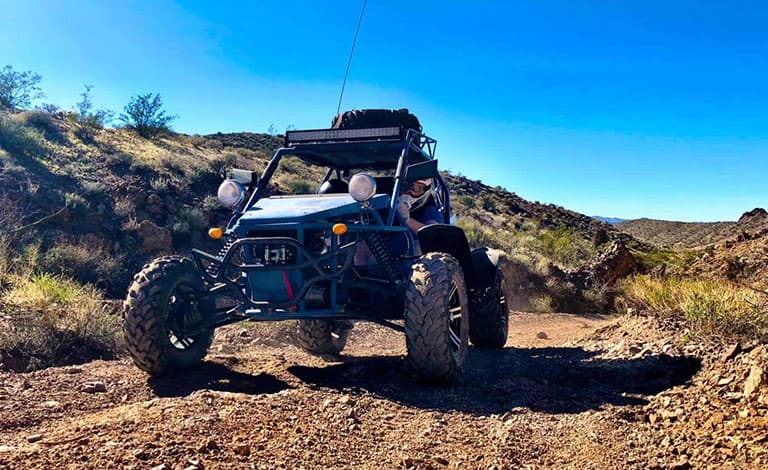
672,234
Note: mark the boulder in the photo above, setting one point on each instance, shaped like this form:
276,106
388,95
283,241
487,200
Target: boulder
155,239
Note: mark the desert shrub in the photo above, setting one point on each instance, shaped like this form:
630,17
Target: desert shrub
188,224
211,203
18,89
90,119
488,203
19,139
713,308
564,246
541,303
477,235
49,108
40,120
124,206
94,189
299,186
141,168
88,261
56,321
119,160
160,184
170,161
466,201
658,259
221,165
291,164
734,267
145,115
77,203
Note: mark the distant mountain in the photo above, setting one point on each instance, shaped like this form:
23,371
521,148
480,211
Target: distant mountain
609,220
673,234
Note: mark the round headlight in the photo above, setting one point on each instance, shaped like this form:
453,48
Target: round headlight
231,193
362,187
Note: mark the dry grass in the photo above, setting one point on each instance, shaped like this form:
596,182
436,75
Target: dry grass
51,320
713,308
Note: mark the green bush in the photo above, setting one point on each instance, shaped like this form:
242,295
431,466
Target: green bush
145,115
466,201
40,120
77,203
18,89
564,246
88,261
221,165
189,224
18,139
90,118
488,203
298,186
49,108
477,235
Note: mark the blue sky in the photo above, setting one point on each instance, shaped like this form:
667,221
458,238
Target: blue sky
630,109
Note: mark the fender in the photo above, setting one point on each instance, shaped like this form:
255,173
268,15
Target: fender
449,239
485,262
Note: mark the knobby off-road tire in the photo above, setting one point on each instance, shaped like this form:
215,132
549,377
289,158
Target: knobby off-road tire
488,315
322,336
436,323
163,295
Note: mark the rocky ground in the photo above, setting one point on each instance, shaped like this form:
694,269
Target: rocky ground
570,392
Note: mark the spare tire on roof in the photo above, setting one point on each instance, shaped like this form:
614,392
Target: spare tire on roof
365,118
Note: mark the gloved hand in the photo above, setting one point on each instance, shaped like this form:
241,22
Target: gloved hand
404,210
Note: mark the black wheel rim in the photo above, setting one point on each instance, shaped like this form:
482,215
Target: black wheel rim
455,317
183,315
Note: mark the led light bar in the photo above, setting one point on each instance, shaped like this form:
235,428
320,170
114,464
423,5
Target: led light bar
325,136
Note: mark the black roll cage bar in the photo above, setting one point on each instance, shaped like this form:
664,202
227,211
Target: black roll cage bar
411,139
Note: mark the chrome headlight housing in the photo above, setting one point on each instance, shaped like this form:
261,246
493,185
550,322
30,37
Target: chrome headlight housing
362,187
231,193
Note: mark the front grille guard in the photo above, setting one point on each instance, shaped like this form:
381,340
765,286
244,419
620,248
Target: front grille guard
214,271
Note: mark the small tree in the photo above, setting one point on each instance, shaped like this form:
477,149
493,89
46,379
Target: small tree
145,115
18,89
85,113
49,108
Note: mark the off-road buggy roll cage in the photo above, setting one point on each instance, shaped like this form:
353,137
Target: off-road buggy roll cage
411,153
324,259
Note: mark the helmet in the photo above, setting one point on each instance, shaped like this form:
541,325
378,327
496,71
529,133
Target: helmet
415,202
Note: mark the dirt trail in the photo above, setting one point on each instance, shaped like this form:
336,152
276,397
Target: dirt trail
569,391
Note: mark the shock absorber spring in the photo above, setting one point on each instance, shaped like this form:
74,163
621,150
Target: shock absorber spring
383,256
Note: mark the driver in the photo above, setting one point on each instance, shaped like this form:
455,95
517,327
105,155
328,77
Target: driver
417,206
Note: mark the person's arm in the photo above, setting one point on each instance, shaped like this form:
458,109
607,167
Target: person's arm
414,225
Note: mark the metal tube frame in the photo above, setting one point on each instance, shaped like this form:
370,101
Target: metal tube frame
253,309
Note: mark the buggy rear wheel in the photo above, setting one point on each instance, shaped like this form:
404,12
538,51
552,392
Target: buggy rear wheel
322,336
488,315
163,317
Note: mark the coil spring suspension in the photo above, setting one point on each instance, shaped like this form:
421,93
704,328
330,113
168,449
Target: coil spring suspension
384,257
213,269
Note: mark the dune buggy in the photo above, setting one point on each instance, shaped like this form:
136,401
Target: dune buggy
326,259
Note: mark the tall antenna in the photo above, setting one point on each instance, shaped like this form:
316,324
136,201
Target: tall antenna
351,52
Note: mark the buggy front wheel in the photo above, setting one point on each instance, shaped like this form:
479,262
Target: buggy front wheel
165,316
436,318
